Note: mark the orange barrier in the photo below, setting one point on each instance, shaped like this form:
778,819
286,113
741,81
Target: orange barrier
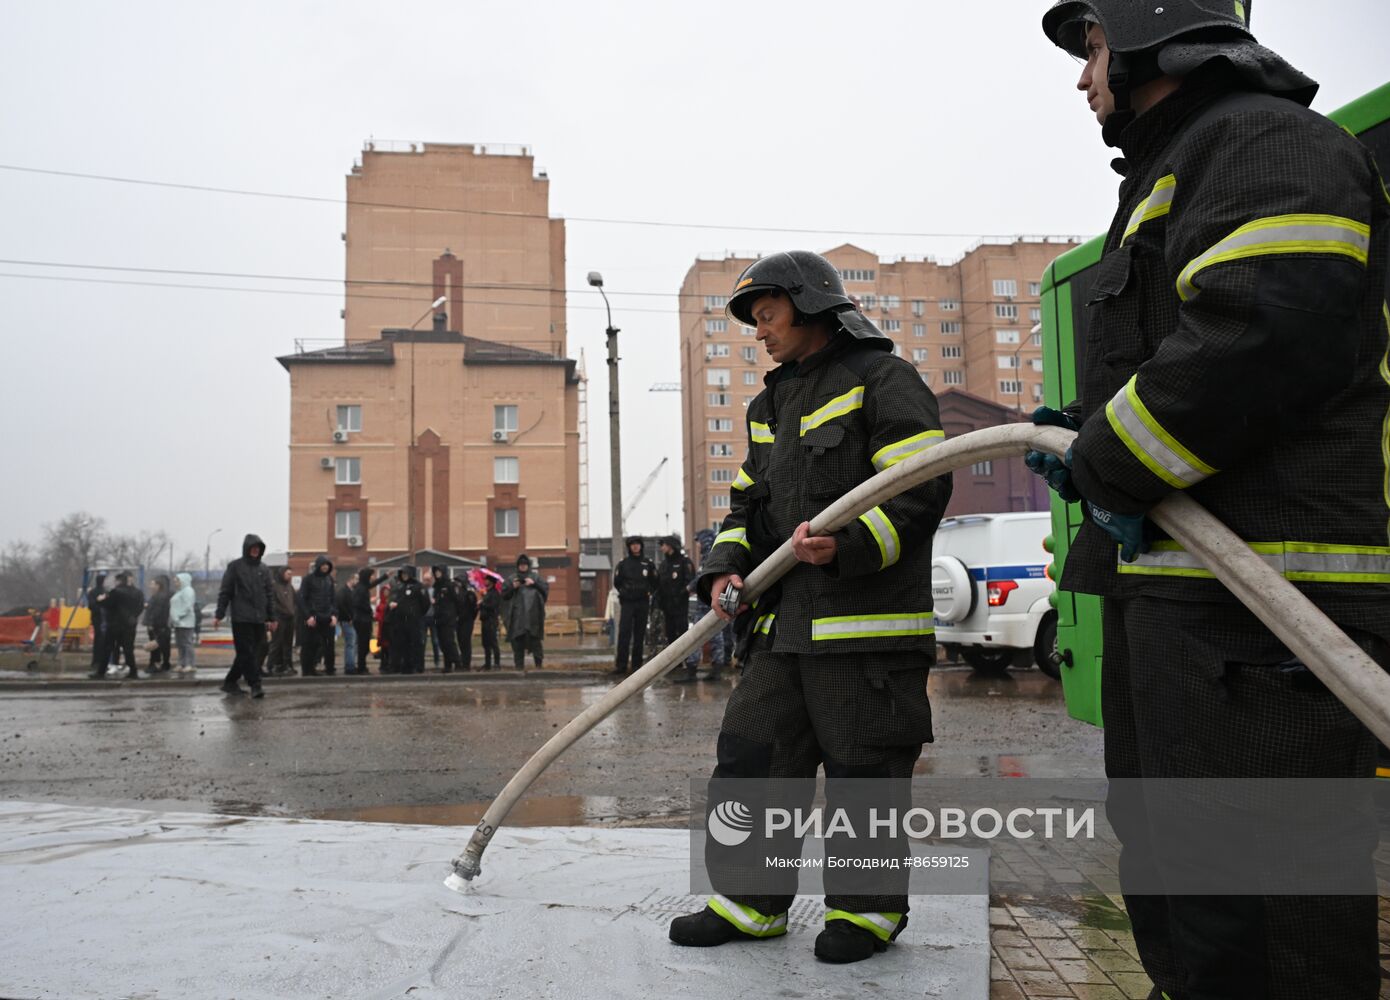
16,631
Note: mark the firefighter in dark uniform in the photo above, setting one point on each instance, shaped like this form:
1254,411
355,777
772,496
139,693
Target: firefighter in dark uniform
673,579
635,582
1236,350
837,676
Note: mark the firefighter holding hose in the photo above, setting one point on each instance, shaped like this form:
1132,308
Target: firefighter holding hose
842,646
1236,349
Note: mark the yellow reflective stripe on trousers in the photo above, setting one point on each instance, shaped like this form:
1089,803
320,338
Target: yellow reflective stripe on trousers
764,624
1307,562
743,481
1282,234
1159,202
837,407
904,624
760,433
747,919
890,455
734,535
881,527
1161,453
1385,427
880,925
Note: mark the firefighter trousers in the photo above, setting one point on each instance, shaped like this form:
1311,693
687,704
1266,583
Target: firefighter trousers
860,716
1199,690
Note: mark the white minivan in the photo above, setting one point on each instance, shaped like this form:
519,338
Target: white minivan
990,592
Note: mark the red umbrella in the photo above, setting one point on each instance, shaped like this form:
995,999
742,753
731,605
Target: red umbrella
478,576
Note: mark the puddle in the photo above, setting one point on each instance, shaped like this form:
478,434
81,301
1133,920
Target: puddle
553,810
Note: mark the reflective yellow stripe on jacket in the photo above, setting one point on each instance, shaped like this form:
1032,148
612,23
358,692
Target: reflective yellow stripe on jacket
743,481
904,624
1281,234
1159,202
763,626
899,451
1161,453
1308,562
737,536
837,407
760,433
881,527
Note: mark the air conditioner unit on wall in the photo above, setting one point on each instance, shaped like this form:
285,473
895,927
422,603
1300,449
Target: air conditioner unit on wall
499,436
327,462
354,541
340,435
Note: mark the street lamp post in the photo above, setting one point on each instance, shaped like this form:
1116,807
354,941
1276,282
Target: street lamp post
614,438
207,556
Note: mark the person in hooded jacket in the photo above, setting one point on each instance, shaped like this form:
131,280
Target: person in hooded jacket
101,645
467,601
318,603
361,615
157,625
246,595
124,605
446,617
673,579
409,602
524,597
635,582
280,659
182,604
489,611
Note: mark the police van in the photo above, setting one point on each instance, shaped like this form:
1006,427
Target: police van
991,598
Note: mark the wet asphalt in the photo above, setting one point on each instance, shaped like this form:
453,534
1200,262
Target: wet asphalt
436,750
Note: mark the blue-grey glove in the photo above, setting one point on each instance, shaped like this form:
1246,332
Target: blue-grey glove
1130,530
1056,471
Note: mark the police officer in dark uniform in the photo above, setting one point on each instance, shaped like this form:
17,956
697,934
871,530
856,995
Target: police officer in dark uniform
841,650
635,582
409,602
446,617
673,578
1236,325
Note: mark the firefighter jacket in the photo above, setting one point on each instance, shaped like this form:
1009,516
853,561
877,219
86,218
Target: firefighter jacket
818,429
1236,349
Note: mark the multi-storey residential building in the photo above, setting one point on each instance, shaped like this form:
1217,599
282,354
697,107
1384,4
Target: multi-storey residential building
460,438
965,325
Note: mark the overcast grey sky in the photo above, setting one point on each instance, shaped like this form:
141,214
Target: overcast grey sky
162,407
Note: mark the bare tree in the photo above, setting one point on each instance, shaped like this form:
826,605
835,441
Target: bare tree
22,577
70,546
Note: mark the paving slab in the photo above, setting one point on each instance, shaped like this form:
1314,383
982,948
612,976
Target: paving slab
121,902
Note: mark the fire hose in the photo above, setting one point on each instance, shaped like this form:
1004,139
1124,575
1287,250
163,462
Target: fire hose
1346,670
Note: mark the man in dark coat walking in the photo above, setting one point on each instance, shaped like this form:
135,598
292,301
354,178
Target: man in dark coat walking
318,604
123,606
524,597
245,595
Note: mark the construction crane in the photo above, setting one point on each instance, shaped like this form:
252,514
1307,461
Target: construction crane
642,490
665,387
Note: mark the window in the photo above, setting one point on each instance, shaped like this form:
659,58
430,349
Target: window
716,301
750,353
892,326
1035,339
750,378
868,301
952,351
950,326
716,351
719,501
1005,287
1008,361
1035,315
748,401
982,469
897,350
926,378
721,451
717,398
919,354
919,329
919,307
892,302
350,418
953,377
721,424
506,522
347,523
716,525
857,274
506,470
1037,364
1010,387
1006,336
1035,288
949,305
504,418
716,376
1005,312
716,326
349,471
1037,393
722,475
748,331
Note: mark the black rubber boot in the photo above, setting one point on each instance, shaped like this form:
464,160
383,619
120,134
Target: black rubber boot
231,689
705,930
842,942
